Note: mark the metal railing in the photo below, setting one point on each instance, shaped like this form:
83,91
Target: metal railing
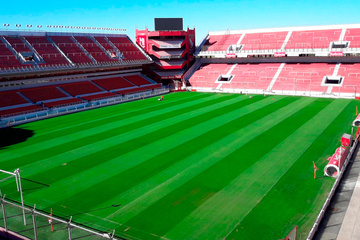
57,111
69,66
204,52
292,89
40,225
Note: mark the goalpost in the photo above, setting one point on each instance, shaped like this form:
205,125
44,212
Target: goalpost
16,174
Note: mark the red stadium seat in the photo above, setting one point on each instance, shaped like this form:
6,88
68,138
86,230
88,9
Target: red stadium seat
80,88
113,83
47,51
137,80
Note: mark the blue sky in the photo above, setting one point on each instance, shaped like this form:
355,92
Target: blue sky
205,16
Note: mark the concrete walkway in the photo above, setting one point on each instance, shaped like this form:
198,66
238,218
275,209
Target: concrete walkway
350,228
342,218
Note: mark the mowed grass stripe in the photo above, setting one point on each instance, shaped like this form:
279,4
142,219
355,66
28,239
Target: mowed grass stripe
81,138
229,117
145,185
129,144
227,208
193,135
64,125
297,197
96,150
180,203
118,163
159,186
82,131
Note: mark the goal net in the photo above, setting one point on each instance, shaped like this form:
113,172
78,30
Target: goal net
8,184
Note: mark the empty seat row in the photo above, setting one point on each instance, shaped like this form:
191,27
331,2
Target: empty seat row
113,83
63,50
137,80
269,76
41,98
18,44
302,39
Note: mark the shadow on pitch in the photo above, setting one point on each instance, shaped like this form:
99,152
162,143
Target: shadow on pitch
31,185
11,136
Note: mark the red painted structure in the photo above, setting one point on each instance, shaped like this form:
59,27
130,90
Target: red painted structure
171,51
336,162
346,140
356,122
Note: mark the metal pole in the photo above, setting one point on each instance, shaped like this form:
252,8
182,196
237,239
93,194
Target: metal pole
17,183
34,222
21,194
4,213
14,174
69,228
7,172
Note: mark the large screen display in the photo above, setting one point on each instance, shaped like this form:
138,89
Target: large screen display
168,24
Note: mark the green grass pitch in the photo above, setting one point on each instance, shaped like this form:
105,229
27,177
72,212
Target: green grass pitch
194,166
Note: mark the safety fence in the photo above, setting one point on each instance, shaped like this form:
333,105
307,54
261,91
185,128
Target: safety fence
40,225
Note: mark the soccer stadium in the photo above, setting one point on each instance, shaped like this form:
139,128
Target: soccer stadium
242,134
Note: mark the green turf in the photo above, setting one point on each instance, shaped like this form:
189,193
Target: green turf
195,166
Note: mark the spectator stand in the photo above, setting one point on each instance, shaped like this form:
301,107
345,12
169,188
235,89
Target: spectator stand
21,49
42,113
302,79
296,41
110,50
54,55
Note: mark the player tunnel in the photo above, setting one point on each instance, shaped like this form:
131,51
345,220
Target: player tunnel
336,162
356,122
